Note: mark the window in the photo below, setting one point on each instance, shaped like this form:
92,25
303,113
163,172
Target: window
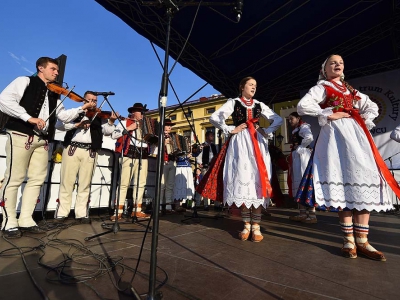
210,110
172,117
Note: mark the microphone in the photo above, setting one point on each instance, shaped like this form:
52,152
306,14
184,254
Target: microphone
103,93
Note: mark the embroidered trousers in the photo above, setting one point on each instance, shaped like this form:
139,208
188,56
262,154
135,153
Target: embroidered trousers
77,167
27,157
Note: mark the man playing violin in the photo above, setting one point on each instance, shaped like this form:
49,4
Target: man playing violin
131,146
29,104
83,139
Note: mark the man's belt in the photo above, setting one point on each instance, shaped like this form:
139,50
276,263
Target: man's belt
134,152
81,145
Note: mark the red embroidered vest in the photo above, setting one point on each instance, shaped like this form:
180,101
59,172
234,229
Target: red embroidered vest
337,100
123,141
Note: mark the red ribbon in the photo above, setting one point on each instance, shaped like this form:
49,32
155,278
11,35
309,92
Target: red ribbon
382,167
265,184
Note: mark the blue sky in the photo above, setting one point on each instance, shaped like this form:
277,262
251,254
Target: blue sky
103,53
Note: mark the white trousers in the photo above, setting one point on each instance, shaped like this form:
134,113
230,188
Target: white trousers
26,157
78,166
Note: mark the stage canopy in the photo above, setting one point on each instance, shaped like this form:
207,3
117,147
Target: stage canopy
279,42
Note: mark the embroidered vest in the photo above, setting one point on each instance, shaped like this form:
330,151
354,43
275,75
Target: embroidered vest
32,101
296,138
337,99
96,133
240,114
123,142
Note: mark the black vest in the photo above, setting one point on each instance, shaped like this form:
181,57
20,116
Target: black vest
296,138
239,115
32,101
205,159
96,133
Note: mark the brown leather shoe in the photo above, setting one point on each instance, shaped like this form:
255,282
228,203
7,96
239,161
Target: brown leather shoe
140,214
298,218
256,233
349,252
245,233
112,218
375,255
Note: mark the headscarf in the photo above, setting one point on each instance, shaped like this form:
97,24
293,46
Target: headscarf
322,73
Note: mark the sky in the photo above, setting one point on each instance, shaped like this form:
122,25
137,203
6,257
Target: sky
103,53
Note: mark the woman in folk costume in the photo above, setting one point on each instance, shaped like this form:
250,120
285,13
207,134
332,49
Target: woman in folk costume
246,161
346,170
184,184
299,157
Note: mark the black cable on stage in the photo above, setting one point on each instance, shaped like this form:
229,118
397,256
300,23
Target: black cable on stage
22,254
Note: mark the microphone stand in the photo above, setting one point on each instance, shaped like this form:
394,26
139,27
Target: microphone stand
115,227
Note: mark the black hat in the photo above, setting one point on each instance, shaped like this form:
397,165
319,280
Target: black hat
168,122
137,107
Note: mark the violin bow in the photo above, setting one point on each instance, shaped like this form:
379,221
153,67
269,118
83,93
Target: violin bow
41,132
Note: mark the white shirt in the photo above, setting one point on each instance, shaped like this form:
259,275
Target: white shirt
81,135
11,96
117,133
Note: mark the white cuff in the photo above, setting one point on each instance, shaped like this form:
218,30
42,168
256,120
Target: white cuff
323,116
369,124
25,117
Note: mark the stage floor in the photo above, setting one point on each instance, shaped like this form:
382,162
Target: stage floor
204,260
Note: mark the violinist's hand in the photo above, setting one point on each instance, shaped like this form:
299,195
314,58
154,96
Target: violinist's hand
338,115
239,128
89,105
189,155
114,116
83,124
133,126
40,124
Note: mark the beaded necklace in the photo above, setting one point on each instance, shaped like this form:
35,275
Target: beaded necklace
248,103
341,88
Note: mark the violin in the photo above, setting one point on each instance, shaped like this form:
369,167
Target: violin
102,114
56,88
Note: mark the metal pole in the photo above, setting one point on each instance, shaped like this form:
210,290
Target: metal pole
159,167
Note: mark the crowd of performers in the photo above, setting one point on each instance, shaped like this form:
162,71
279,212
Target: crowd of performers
344,171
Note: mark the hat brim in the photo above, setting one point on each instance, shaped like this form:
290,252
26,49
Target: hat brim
169,124
133,109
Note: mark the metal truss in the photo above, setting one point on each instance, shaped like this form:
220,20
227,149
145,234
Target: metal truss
295,78
150,22
254,31
309,36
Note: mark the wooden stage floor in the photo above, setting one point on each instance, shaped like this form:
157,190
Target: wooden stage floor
203,260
